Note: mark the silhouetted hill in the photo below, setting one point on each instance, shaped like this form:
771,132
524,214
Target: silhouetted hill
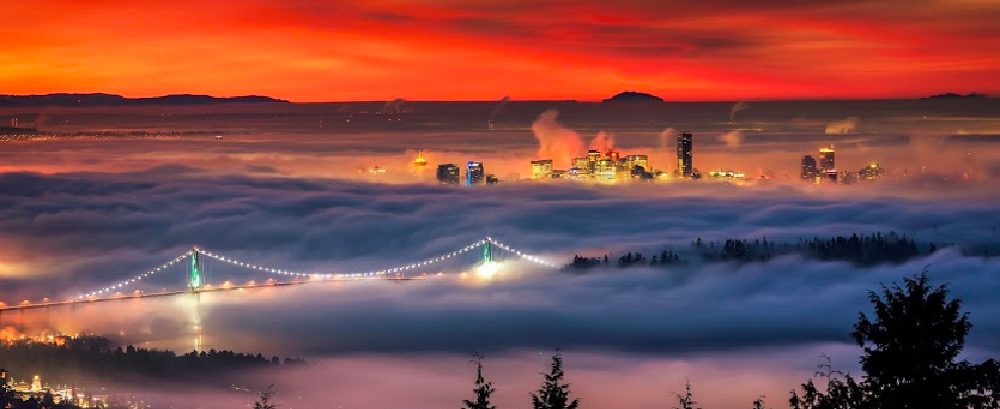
951,95
112,100
629,96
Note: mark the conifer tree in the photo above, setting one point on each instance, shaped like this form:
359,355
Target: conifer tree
484,390
687,400
554,394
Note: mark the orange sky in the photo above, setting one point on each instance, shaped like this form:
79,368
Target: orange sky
313,50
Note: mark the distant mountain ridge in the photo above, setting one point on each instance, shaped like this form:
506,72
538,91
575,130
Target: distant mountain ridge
952,95
631,96
99,99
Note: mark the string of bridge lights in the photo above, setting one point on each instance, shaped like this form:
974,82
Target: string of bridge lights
120,284
525,256
372,274
235,262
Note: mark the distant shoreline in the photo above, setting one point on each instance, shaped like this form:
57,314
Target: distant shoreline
67,100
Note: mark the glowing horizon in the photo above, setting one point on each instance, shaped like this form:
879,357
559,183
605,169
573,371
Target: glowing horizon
448,50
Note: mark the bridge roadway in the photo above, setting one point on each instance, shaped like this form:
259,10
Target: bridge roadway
134,295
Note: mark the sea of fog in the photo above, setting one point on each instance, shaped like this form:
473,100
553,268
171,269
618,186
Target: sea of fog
282,189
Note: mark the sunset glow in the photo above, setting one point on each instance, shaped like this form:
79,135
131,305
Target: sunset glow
307,50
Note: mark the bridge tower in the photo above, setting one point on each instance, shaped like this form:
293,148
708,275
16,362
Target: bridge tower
195,280
488,252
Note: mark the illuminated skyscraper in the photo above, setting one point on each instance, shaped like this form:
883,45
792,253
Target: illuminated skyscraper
541,169
827,165
685,162
448,174
826,162
809,171
474,173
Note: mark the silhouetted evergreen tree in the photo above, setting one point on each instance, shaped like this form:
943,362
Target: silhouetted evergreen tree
686,401
910,346
484,390
554,394
842,391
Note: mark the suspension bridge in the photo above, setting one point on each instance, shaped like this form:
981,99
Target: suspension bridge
198,263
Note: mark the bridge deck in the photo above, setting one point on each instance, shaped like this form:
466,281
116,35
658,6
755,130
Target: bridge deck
132,296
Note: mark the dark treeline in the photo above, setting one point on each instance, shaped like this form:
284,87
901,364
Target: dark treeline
98,359
860,250
910,349
665,258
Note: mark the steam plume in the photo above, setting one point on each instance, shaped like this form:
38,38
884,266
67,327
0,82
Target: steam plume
555,142
736,108
603,142
732,139
845,126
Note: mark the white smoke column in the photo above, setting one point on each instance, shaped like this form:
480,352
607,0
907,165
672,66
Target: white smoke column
736,108
845,126
604,142
732,139
555,142
499,107
668,139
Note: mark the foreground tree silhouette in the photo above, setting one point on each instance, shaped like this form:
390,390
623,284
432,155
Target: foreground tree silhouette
759,403
554,394
910,346
842,391
686,401
484,390
265,399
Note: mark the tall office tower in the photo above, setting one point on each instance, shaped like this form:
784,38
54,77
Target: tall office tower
826,162
684,157
448,174
541,169
474,172
827,165
809,171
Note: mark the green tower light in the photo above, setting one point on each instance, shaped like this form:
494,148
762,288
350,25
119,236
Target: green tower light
487,253
195,282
